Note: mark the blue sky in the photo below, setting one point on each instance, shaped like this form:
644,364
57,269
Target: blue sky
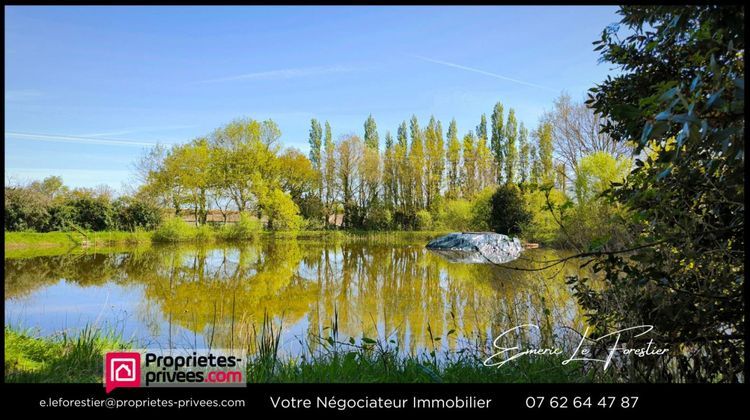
88,88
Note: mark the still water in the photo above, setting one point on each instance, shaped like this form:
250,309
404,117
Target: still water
219,295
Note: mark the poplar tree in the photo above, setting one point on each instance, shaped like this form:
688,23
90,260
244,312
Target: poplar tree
523,156
417,159
390,177
329,177
435,160
316,134
371,133
370,168
497,143
511,153
545,153
469,176
453,157
403,167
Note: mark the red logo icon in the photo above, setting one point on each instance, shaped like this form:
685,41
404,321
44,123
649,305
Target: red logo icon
122,370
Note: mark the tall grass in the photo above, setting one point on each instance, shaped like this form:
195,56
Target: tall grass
367,360
78,358
65,358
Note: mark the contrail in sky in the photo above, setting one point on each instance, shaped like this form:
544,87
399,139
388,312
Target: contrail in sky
57,138
486,73
283,74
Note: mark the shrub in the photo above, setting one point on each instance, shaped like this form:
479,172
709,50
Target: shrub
92,214
509,213
424,220
282,212
378,217
313,224
542,226
246,228
131,215
172,229
455,215
25,209
60,217
203,233
481,208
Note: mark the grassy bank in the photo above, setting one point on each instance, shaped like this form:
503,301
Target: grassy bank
68,240
73,239
59,359
79,359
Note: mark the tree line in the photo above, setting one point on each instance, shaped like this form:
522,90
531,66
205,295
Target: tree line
423,177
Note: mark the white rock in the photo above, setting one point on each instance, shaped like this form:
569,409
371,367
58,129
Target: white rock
477,247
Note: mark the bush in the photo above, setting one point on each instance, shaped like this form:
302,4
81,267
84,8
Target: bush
247,227
60,217
92,214
481,208
424,220
542,226
203,233
378,217
455,215
131,215
509,213
25,210
173,229
282,212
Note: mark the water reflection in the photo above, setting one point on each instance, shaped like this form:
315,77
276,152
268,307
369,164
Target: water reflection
190,296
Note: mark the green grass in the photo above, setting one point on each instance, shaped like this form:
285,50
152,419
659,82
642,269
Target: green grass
60,359
73,239
380,361
78,359
359,366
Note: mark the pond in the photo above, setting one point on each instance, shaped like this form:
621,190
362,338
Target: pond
218,296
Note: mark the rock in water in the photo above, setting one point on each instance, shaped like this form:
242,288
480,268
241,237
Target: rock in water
477,247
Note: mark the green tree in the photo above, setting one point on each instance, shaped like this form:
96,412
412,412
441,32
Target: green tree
280,210
403,167
372,139
597,172
481,131
511,153
469,176
417,160
316,136
485,165
370,168
435,160
679,93
190,164
509,214
329,178
390,173
544,150
300,179
524,151
497,144
453,156
349,152
535,167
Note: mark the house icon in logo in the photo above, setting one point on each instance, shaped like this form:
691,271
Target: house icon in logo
122,369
